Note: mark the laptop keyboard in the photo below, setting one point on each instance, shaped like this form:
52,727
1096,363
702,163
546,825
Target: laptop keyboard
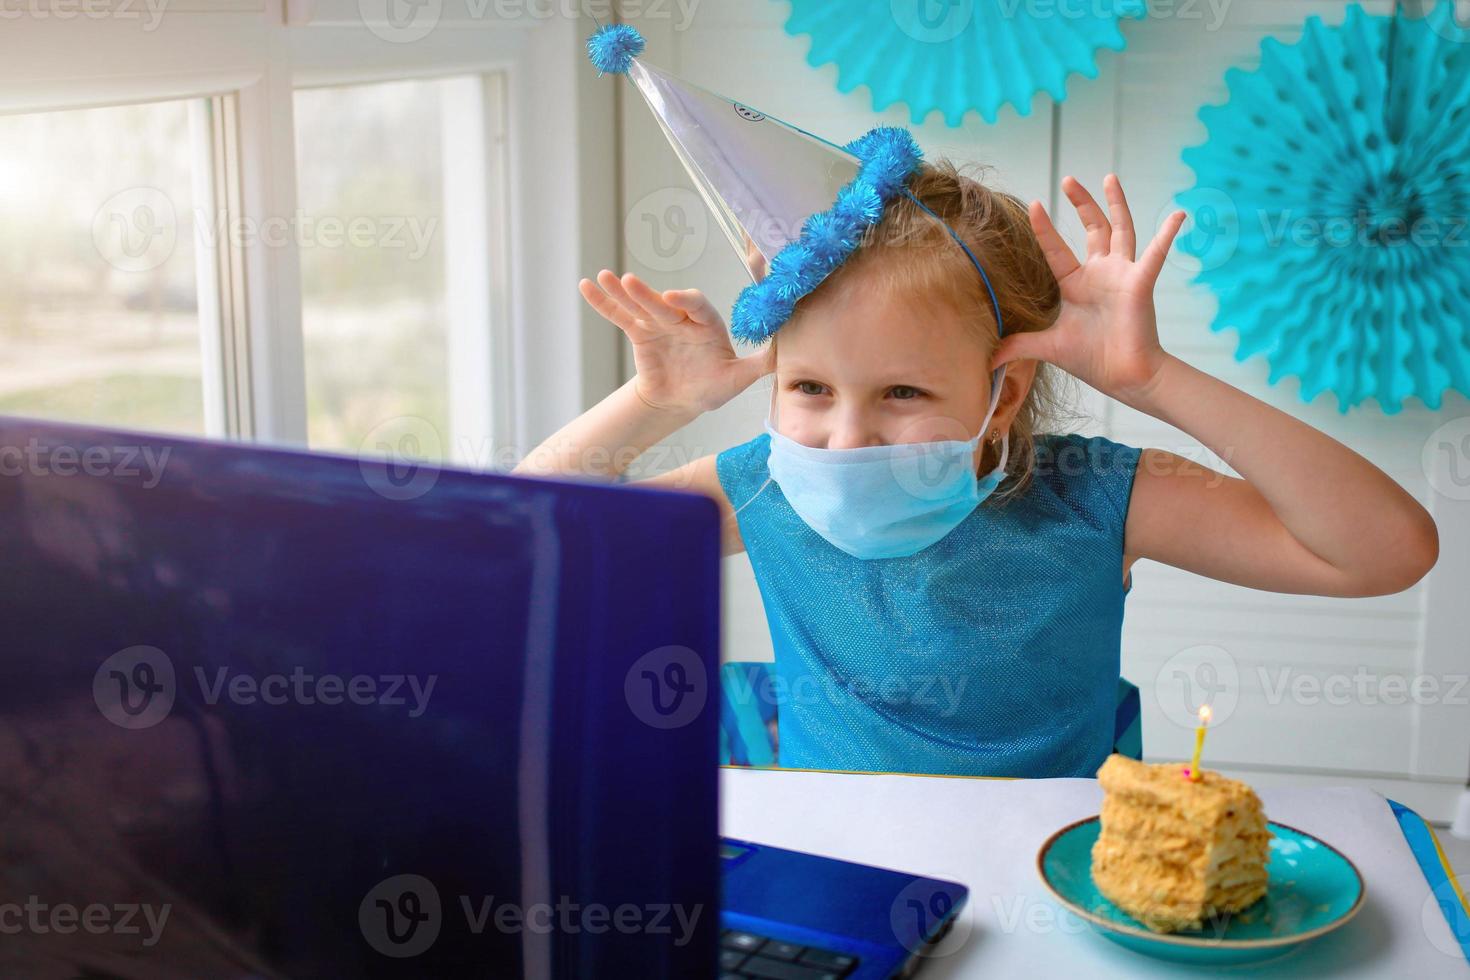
745,955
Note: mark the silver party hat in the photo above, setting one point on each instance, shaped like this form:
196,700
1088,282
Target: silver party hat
793,205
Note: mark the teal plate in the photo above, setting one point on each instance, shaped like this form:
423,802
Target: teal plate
1311,890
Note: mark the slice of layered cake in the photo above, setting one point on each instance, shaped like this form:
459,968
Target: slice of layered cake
1173,852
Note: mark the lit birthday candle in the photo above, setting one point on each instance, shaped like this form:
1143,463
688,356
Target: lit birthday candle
1199,743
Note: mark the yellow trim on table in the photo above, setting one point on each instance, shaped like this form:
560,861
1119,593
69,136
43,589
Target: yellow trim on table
1449,871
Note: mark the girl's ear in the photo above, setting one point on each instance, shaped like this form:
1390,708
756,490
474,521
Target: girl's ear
1013,392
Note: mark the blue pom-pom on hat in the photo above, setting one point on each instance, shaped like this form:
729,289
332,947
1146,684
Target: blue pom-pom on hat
613,48
795,272
759,310
829,237
858,204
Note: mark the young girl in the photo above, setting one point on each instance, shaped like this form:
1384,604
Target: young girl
980,635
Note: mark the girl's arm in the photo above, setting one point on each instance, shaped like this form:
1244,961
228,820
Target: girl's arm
685,367
1309,515
607,438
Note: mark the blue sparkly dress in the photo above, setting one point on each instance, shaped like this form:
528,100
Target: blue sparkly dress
993,652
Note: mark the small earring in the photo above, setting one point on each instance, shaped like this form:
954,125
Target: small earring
994,435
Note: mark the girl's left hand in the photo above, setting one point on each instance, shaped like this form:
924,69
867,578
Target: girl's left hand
1106,334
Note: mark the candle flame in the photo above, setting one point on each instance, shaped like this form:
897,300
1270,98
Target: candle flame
1204,714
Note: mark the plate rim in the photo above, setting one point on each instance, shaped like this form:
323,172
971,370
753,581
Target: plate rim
1193,942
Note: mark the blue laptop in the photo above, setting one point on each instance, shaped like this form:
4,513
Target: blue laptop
276,714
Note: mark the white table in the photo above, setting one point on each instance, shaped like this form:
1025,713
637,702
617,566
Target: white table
985,834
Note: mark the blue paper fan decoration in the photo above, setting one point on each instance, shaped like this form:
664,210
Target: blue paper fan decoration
1332,208
960,55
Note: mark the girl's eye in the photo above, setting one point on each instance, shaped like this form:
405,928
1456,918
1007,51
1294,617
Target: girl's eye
904,392
805,387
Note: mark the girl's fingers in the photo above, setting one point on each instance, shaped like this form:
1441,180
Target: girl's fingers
695,305
1124,240
604,304
609,281
1158,249
1058,253
653,305
1035,345
1099,232
757,366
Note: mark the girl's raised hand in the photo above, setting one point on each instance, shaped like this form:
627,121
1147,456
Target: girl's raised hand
681,348
1106,333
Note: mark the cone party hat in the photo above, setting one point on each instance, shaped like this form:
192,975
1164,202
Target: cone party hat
794,206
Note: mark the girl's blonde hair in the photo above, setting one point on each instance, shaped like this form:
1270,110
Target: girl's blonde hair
910,252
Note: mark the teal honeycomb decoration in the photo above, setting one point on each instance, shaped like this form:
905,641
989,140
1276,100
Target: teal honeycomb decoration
960,55
1332,208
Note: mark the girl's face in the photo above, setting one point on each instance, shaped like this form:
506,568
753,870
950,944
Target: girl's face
863,368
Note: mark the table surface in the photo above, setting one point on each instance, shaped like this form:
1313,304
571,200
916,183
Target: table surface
985,833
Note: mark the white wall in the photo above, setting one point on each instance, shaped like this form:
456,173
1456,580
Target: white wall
1134,119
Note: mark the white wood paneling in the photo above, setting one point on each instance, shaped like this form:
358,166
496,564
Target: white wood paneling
1156,87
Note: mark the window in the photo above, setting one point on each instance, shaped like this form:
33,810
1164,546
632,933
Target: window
178,254
371,178
99,298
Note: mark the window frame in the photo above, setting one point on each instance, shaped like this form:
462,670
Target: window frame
552,187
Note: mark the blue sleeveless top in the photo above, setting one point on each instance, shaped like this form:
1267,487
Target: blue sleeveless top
992,652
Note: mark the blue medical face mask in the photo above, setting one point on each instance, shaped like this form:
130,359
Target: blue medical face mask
885,501
889,501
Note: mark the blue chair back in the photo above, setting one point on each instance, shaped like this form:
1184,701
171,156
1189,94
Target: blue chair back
749,733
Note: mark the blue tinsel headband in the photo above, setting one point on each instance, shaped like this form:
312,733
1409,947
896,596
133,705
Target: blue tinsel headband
889,157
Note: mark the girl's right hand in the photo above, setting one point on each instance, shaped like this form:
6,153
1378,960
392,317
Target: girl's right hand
681,348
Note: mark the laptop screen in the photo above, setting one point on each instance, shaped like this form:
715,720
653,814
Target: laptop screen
277,714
